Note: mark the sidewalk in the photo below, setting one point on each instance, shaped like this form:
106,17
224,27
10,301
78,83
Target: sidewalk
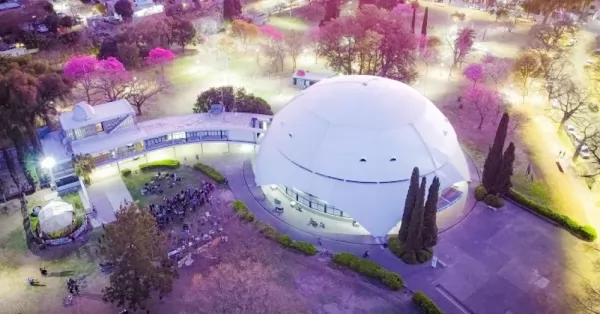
416,277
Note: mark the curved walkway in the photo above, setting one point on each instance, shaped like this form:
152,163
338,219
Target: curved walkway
233,168
493,262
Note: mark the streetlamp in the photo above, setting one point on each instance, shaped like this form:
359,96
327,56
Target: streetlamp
49,163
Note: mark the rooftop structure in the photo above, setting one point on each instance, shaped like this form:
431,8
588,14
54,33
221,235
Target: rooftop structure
353,141
83,114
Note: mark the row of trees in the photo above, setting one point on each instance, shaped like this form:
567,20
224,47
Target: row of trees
132,43
108,80
418,231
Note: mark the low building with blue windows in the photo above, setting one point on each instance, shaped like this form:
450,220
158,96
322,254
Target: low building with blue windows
111,135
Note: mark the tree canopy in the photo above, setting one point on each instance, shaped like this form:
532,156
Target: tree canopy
138,251
373,42
124,9
234,100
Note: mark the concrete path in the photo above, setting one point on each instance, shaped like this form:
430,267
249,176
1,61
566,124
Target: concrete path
107,195
508,261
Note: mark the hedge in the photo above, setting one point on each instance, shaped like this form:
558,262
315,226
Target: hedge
585,232
165,163
126,172
242,211
269,232
210,172
370,269
425,304
493,200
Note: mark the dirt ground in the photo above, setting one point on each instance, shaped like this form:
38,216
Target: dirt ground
247,267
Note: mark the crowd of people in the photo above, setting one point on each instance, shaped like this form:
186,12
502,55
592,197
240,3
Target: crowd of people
177,207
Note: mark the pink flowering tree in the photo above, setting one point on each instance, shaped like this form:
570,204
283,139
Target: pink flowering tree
111,78
475,73
496,68
271,33
461,47
159,57
403,9
481,106
80,70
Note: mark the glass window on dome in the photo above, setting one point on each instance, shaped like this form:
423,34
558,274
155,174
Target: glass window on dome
179,135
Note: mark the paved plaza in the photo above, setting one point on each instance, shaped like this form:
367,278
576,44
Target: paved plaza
508,261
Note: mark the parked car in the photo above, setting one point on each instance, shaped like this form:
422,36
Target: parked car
593,107
570,130
585,152
555,103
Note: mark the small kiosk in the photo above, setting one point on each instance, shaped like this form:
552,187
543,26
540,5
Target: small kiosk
304,79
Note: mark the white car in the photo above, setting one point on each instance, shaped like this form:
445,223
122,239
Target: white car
570,129
589,62
555,103
585,152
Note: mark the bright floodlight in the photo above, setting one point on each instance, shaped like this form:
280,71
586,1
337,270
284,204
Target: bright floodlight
48,163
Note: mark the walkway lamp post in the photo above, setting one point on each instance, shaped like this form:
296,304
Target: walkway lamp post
49,163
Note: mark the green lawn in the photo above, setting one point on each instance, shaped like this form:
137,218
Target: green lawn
15,241
74,199
535,190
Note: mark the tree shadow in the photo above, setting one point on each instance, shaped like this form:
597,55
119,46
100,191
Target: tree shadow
65,273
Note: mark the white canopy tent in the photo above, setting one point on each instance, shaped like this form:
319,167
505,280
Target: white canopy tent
353,141
55,216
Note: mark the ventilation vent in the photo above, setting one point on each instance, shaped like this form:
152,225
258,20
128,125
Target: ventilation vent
363,159
393,159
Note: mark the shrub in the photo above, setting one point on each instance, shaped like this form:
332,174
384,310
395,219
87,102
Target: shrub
392,280
210,172
408,257
242,211
493,200
284,240
304,247
425,304
266,230
480,192
584,232
370,269
249,217
165,163
126,172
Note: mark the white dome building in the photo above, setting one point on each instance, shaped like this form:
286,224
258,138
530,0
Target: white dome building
351,143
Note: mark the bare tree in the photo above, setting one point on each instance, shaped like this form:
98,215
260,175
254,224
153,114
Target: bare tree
548,37
244,286
525,69
588,129
588,301
139,91
275,52
294,45
569,102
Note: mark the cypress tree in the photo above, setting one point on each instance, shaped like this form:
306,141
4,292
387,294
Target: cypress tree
505,172
424,25
414,239
414,20
494,157
430,229
409,204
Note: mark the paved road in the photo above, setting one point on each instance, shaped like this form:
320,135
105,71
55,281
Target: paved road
496,262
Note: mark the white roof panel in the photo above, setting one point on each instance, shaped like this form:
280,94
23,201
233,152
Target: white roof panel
339,121
99,113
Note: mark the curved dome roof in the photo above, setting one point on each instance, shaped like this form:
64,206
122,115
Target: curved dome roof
83,111
354,140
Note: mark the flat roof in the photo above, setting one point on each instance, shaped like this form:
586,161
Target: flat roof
102,113
163,126
54,147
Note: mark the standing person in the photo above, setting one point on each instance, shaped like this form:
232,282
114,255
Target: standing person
366,254
76,288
